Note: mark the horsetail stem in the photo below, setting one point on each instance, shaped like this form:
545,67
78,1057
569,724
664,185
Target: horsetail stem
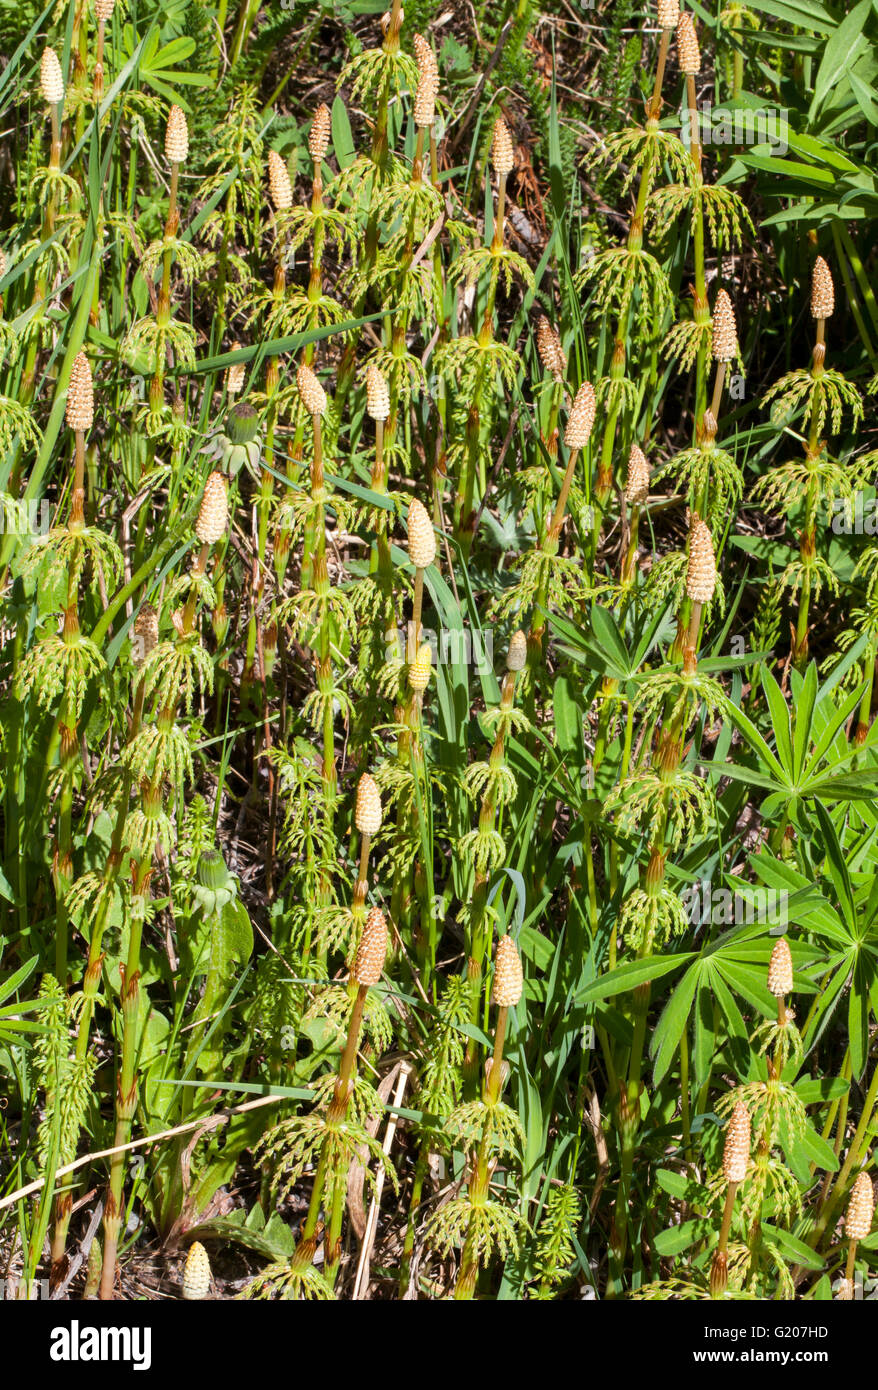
577,434
858,1222
366,973
211,527
603,479
736,1158
506,991
822,308
479,929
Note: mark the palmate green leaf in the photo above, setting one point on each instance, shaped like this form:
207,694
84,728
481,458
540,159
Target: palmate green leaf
704,1050
669,1029
750,982
12,1025
683,1237
791,1248
838,869
569,718
835,719
678,1185
858,1017
829,998
803,14
804,693
814,147
798,777
796,43
609,637
845,46
814,1147
780,720
738,1031
860,785
628,976
750,732
342,137
790,172
605,652
13,982
811,1090
157,65
866,97
731,663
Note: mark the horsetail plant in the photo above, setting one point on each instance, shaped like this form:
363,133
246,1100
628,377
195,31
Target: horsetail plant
103,13
331,1137
484,849
367,818
736,1159
478,361
546,575
158,754
196,1273
818,477
93,899
190,860
54,184
857,1226
479,1223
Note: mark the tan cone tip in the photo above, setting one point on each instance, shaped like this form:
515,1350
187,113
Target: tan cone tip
279,185
421,668
80,395
724,331
502,153
861,1208
51,80
550,350
213,514
425,100
377,394
688,52
424,56
145,633
312,393
581,418
176,137
318,138
822,291
736,1151
508,978
235,374
701,569
372,950
780,969
516,656
637,484
367,816
422,537
196,1273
